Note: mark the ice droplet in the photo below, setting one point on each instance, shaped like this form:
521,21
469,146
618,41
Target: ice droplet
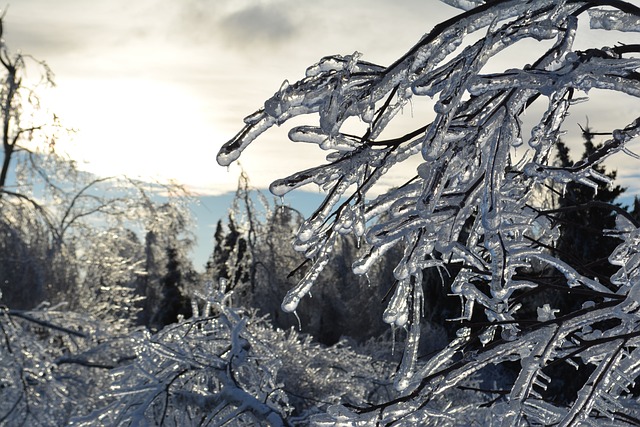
367,115
290,305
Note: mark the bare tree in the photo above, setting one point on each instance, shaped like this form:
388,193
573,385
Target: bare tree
49,207
22,118
475,207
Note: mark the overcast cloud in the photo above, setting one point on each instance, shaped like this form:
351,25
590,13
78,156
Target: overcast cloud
188,71
258,24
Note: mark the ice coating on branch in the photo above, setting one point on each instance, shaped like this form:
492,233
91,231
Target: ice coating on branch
470,209
397,312
363,265
293,297
231,151
613,20
283,186
464,4
546,313
407,369
627,256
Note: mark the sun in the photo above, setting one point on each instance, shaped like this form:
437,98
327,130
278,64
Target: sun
140,128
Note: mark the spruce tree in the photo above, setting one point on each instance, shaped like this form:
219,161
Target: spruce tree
584,213
173,303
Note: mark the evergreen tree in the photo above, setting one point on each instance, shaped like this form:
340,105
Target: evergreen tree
173,302
228,260
635,209
584,213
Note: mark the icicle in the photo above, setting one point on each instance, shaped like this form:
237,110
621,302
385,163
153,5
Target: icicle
407,366
397,310
487,336
295,313
628,152
223,284
293,297
393,339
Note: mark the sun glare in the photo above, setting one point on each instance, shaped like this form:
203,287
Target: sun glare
143,129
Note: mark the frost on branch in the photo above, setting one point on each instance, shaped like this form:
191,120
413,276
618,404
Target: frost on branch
474,205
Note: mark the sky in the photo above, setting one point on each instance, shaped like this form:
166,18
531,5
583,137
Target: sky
155,87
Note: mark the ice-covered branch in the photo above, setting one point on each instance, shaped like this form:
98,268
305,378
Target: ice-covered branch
471,203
